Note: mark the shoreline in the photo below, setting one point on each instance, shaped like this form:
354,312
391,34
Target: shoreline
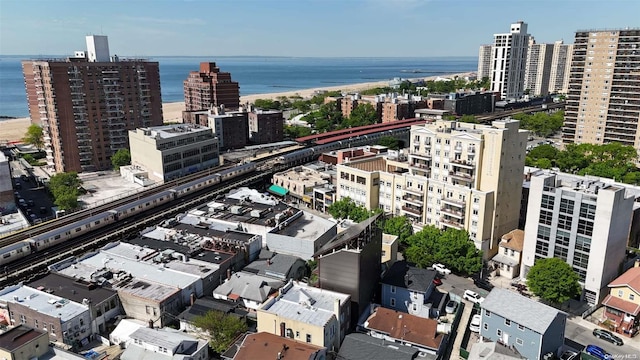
13,130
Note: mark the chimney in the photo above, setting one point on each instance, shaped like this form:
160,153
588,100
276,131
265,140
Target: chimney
282,328
336,308
636,263
192,298
150,324
228,273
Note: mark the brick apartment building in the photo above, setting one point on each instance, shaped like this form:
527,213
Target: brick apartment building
210,87
87,103
266,126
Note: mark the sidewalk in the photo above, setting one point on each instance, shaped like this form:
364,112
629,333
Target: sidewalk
462,328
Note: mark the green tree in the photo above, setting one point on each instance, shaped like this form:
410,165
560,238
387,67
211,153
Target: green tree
221,327
451,247
65,190
390,142
34,136
296,131
347,209
553,280
468,119
399,226
363,114
122,157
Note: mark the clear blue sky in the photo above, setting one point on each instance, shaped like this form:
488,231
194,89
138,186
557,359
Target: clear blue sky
326,28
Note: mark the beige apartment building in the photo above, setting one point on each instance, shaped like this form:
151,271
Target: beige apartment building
603,101
458,175
484,62
560,67
301,180
170,151
538,68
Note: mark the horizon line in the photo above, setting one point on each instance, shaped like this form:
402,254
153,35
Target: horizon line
259,56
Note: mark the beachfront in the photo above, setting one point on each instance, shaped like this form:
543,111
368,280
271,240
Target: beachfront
14,129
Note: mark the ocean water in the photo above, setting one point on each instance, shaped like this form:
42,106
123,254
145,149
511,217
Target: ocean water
255,74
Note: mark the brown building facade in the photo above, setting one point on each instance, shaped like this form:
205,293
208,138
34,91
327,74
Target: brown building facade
266,126
210,87
86,108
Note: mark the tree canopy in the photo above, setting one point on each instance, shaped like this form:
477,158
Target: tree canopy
65,188
541,123
611,160
347,209
34,136
399,226
221,327
296,131
390,142
451,247
122,157
553,280
363,114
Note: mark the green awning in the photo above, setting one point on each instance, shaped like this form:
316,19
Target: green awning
277,190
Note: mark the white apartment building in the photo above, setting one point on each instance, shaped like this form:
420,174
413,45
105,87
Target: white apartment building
484,62
171,151
583,221
509,60
560,67
459,175
538,68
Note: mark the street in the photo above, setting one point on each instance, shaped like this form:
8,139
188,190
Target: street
578,337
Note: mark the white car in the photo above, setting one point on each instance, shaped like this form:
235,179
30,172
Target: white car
473,296
474,325
441,269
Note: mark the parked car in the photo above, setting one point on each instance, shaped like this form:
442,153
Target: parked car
598,352
441,269
473,296
451,307
437,281
474,325
483,284
568,355
30,202
607,336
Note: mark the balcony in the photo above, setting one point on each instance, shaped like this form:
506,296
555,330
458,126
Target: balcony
455,203
412,210
462,176
463,164
426,156
452,212
421,165
414,199
457,149
451,223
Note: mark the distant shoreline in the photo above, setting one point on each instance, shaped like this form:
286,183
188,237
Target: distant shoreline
13,129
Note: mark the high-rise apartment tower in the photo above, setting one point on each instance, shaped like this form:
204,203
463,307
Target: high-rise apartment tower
560,67
538,68
209,87
484,62
603,101
87,103
509,60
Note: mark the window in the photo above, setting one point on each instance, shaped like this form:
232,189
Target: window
519,341
520,327
485,326
35,323
631,296
393,302
544,233
507,322
499,332
620,293
487,313
308,338
547,202
23,319
546,217
393,289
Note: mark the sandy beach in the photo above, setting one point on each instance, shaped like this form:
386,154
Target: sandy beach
14,129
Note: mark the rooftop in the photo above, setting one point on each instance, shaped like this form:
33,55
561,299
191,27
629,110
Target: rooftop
409,277
622,305
406,327
522,310
203,305
513,240
169,131
306,227
73,289
278,265
175,341
263,345
17,337
244,285
630,278
42,302
358,346
493,351
305,304
242,211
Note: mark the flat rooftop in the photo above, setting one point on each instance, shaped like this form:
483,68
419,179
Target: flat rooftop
42,302
13,339
235,211
169,131
306,304
308,227
72,289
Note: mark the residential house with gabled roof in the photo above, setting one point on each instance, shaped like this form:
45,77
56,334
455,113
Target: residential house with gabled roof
264,345
406,288
622,305
164,344
406,329
251,290
527,326
358,346
507,260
